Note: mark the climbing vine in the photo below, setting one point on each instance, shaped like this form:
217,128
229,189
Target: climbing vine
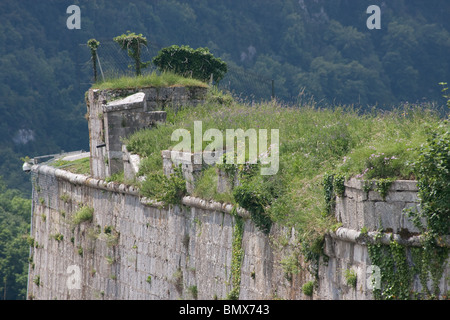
255,193
237,254
333,185
382,186
433,171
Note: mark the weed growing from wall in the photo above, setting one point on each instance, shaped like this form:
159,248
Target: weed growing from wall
350,277
84,214
308,288
290,266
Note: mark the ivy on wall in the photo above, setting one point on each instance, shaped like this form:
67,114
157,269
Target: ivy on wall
237,255
428,262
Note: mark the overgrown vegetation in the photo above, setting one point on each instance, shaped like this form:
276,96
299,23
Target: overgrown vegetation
237,255
325,52
328,55
80,166
159,187
427,262
319,150
314,143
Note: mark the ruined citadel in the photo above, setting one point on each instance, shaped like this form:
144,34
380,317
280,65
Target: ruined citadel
136,248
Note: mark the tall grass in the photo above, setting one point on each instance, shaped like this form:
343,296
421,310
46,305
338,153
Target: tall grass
313,142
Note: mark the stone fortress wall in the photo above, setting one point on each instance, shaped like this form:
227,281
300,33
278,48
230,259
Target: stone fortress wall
134,248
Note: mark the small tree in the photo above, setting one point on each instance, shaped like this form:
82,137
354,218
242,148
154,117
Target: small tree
444,90
132,43
93,45
185,61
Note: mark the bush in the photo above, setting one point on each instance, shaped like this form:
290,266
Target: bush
185,61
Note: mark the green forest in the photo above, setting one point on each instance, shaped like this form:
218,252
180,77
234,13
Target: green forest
317,50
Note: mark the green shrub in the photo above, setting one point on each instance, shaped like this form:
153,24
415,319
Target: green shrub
350,277
185,61
255,195
84,214
308,288
194,291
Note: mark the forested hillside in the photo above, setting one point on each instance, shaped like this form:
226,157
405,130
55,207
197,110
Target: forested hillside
312,49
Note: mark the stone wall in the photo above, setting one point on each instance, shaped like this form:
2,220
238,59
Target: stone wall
363,206
137,249
178,247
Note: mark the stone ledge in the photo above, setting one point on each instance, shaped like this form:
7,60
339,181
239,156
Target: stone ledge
78,179
359,208
134,101
358,237
397,185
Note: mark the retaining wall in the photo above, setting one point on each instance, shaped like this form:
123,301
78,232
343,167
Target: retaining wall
136,249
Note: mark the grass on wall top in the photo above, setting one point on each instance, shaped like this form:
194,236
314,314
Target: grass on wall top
153,79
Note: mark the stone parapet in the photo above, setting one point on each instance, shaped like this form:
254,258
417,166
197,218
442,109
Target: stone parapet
362,206
114,115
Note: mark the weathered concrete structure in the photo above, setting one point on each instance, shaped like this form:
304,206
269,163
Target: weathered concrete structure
115,114
129,247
